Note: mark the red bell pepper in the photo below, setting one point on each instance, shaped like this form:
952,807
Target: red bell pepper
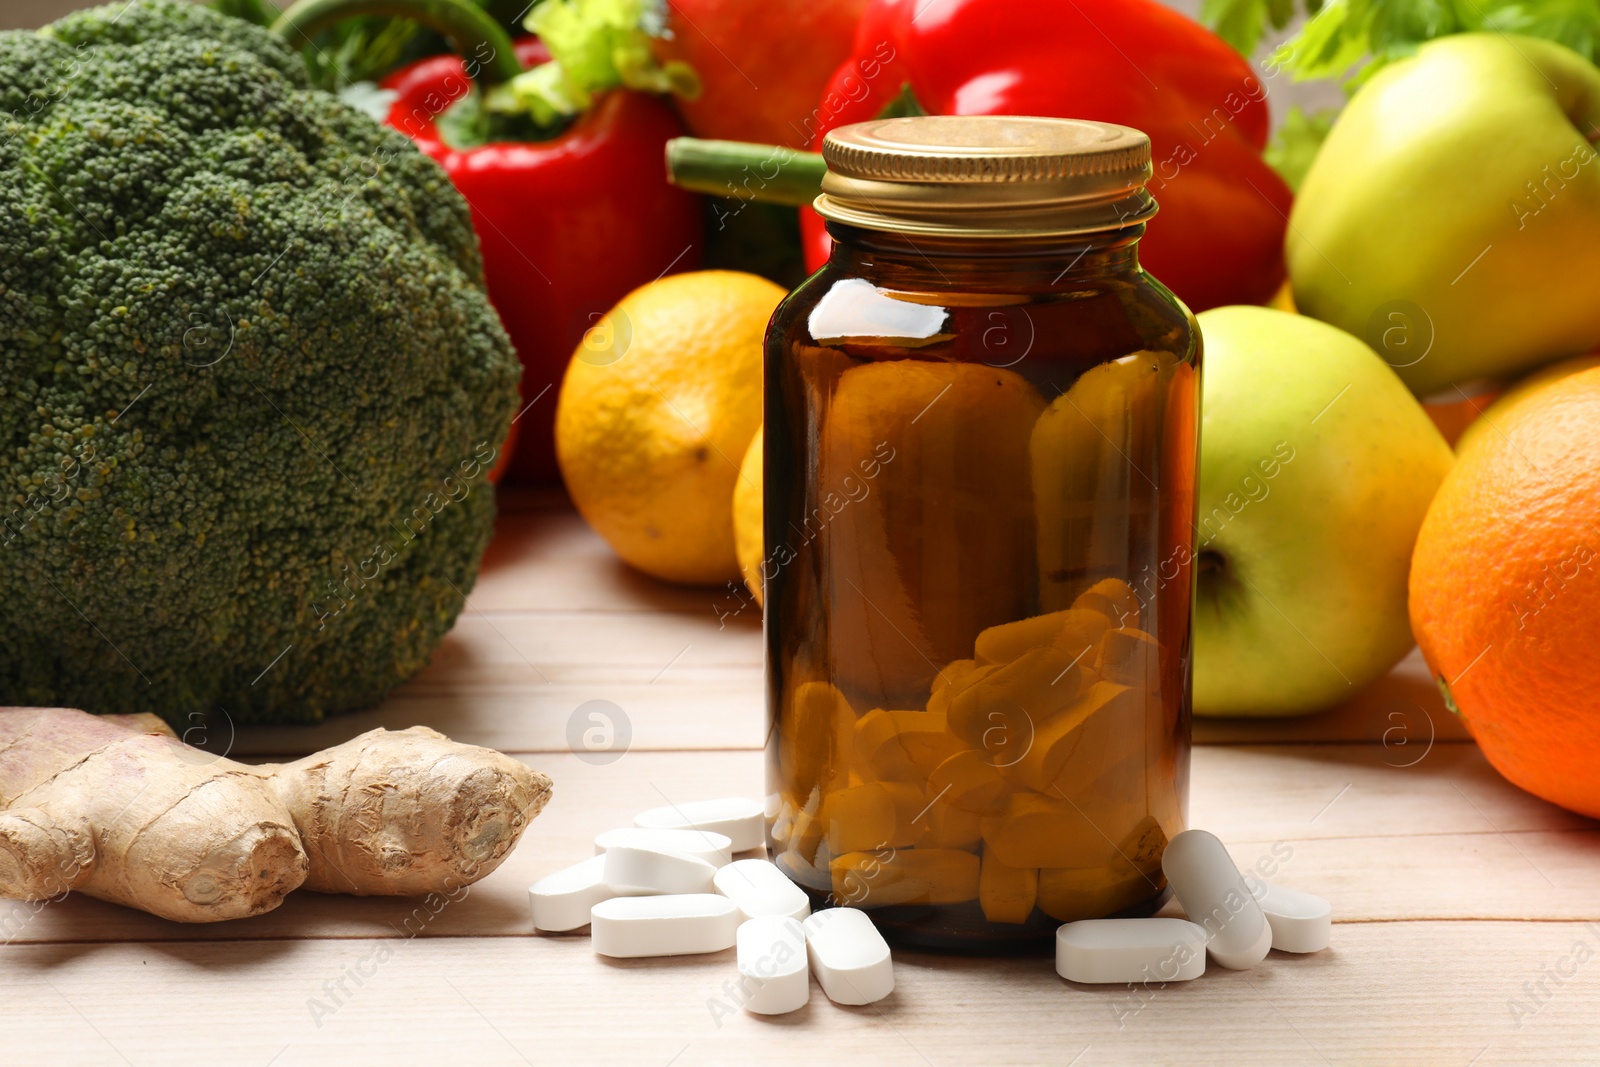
762,64
568,225
1219,236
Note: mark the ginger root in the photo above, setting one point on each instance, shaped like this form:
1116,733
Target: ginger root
116,807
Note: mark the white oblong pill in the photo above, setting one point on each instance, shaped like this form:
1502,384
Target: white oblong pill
1213,894
561,901
651,870
1130,950
1300,921
760,889
848,956
715,849
774,973
678,925
740,818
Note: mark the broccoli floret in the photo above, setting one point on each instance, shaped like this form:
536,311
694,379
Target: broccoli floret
251,386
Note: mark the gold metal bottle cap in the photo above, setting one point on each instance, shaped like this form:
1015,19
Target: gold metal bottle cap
986,176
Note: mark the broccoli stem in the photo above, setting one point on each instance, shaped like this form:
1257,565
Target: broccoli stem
478,37
767,173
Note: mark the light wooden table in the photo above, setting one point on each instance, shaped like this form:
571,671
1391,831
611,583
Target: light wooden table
1469,913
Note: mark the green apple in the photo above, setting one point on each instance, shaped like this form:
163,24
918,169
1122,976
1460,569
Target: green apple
1452,218
1316,468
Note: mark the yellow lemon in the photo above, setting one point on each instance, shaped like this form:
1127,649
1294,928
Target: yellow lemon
747,533
656,412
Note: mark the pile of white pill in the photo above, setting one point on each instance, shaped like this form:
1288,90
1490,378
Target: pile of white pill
669,886
1234,923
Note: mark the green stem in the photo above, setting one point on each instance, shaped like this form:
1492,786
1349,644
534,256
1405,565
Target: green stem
253,11
767,173
478,37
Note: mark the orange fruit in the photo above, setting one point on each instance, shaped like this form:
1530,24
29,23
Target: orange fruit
1505,592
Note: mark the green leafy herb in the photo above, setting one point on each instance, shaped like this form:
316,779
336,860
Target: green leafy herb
594,45
1356,38
361,49
1243,22
1297,142
1364,36
1574,23
357,50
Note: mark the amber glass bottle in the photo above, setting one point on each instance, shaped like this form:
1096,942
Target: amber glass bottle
981,422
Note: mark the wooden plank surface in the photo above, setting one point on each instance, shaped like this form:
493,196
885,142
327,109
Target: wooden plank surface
1336,821
1386,993
1469,912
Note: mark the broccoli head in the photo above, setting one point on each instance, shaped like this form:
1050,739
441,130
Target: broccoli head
251,386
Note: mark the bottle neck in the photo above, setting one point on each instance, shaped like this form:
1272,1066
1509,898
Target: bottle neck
1009,264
